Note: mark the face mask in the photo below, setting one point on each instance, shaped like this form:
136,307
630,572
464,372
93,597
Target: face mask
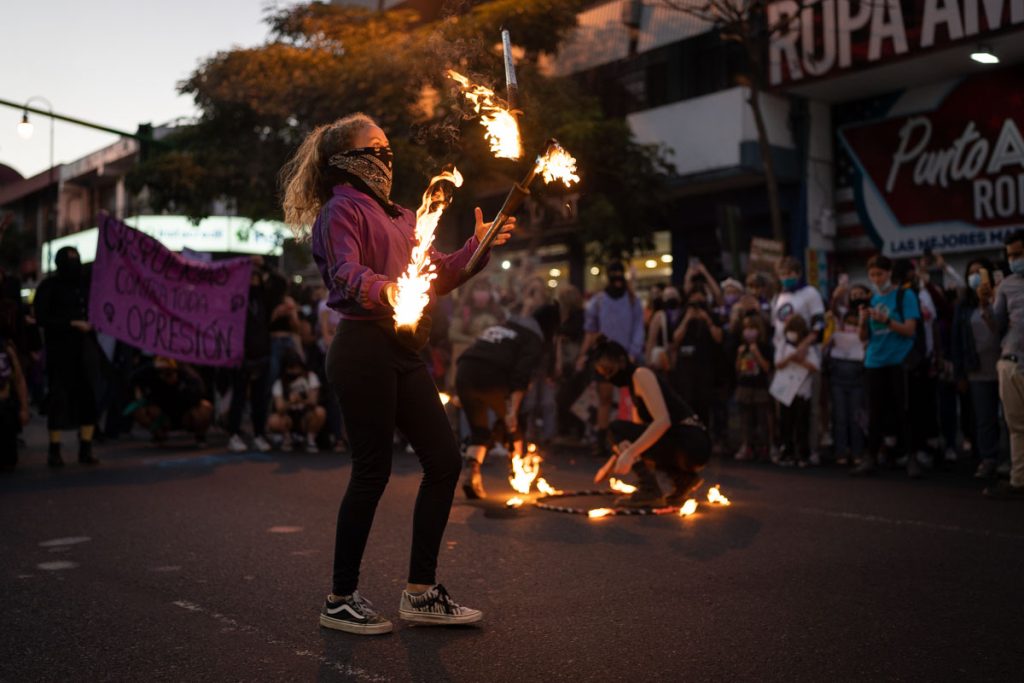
790,283
1017,266
616,287
750,335
481,299
792,337
731,299
370,165
623,377
672,304
974,280
842,311
883,288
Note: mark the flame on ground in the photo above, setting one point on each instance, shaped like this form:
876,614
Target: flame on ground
557,164
715,496
689,507
514,502
547,489
445,398
620,486
524,472
502,129
600,512
414,284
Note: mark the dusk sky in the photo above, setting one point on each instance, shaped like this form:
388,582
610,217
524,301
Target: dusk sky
113,62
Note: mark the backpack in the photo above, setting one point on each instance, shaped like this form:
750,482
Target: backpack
918,354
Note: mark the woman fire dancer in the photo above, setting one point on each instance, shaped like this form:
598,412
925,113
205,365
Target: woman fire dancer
665,434
340,182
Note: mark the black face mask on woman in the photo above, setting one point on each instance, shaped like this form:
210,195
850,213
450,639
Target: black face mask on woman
371,166
624,376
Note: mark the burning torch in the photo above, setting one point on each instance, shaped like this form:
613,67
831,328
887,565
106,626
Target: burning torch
511,86
554,164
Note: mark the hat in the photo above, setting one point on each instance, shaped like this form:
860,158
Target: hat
732,282
616,267
165,363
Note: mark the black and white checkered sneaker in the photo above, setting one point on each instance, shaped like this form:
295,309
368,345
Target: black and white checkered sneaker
435,606
353,614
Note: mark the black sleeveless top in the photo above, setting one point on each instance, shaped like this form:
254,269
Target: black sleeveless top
678,409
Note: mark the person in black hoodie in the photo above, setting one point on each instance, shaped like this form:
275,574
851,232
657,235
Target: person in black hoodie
72,355
252,380
493,375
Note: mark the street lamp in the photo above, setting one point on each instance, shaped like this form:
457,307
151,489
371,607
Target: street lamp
25,129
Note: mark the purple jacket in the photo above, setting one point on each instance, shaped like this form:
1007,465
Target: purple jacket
359,249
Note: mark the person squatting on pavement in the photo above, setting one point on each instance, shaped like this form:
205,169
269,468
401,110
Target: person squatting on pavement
492,376
170,396
340,182
298,415
665,434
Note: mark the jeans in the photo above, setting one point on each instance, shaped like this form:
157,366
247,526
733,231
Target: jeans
382,385
846,379
796,428
249,381
985,399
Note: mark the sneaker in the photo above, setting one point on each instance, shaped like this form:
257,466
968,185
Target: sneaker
353,614
925,459
914,468
236,445
260,444
815,459
1004,490
685,484
1004,468
986,469
865,467
311,447
287,445
744,453
842,461
950,455
435,606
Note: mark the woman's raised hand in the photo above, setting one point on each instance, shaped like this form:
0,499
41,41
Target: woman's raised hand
502,237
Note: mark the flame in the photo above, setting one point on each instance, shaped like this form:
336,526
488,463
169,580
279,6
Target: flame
600,512
620,486
715,496
689,507
547,489
557,164
414,284
531,448
445,398
514,502
502,129
524,471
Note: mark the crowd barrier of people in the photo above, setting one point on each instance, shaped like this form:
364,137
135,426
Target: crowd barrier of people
915,368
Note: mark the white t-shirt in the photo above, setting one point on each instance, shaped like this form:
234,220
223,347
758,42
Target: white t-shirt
786,349
301,386
805,302
846,345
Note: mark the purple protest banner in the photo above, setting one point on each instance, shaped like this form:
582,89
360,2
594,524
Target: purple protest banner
150,297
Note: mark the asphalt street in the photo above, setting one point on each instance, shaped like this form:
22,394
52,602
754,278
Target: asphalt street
172,564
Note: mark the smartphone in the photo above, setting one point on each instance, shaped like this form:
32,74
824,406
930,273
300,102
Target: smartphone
694,262
985,277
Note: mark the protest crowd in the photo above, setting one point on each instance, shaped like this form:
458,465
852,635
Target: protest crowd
915,368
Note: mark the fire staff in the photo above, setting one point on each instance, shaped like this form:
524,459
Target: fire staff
665,433
340,182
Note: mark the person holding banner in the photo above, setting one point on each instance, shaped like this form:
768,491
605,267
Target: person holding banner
339,182
72,356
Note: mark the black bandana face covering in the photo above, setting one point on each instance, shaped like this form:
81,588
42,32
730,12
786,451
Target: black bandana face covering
371,165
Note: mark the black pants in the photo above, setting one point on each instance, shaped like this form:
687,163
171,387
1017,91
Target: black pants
383,385
923,408
680,450
887,407
251,381
10,427
795,428
481,393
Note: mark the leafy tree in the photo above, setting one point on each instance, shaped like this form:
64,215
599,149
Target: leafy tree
322,61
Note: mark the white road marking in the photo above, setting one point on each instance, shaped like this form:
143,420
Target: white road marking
56,566
230,624
167,568
69,540
284,529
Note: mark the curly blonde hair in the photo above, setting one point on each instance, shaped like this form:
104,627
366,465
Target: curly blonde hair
307,179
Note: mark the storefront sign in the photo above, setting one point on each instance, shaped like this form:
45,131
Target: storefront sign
834,36
156,300
941,171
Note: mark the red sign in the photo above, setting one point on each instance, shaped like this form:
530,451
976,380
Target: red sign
944,168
